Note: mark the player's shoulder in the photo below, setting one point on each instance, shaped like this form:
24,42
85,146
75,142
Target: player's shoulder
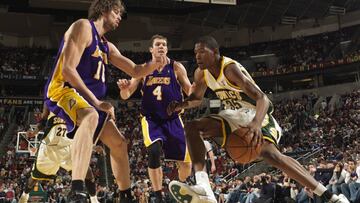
80,27
178,66
199,72
82,23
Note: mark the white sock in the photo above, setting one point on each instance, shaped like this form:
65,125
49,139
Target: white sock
202,179
93,199
320,189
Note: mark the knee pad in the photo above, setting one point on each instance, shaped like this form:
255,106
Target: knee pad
154,152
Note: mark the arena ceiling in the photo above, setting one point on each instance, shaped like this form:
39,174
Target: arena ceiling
247,13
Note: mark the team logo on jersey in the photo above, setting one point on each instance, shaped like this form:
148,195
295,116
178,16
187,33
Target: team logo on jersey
158,81
72,103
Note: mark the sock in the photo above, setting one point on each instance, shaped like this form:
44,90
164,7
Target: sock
93,199
77,185
91,187
202,179
321,191
327,195
158,195
125,194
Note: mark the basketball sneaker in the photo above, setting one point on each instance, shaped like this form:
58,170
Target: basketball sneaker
184,193
24,198
78,197
339,199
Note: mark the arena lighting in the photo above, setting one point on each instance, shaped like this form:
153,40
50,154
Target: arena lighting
345,42
224,2
261,56
303,80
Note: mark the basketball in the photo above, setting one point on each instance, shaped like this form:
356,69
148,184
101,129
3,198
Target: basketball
239,146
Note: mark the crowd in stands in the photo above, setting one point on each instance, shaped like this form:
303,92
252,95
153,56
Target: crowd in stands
23,61
331,128
293,55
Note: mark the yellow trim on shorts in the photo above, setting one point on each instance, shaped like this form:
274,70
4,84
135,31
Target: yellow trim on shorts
187,157
145,131
269,139
219,118
71,111
40,178
224,132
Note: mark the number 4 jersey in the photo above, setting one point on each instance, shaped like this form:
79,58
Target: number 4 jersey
158,90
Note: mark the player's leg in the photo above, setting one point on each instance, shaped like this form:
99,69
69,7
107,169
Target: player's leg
154,168
194,131
87,120
91,186
154,141
184,170
44,168
296,171
76,111
112,138
28,187
176,148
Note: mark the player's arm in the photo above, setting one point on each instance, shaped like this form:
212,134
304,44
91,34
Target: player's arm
128,87
76,39
198,89
182,77
212,160
235,76
41,123
44,115
129,67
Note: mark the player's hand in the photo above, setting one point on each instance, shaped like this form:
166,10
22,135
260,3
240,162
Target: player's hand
309,192
255,132
123,84
30,133
108,108
173,107
99,149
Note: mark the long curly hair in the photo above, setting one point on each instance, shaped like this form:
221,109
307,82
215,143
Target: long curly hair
98,7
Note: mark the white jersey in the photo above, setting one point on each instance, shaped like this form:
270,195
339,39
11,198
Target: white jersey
231,96
55,133
238,109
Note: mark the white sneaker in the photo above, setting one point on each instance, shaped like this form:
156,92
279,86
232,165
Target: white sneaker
339,199
94,199
184,193
24,198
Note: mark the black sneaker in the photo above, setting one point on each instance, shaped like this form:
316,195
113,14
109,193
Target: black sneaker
78,197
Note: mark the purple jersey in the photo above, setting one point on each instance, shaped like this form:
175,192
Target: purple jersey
91,68
158,90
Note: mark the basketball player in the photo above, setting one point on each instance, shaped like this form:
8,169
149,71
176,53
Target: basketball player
53,153
162,132
245,105
76,89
